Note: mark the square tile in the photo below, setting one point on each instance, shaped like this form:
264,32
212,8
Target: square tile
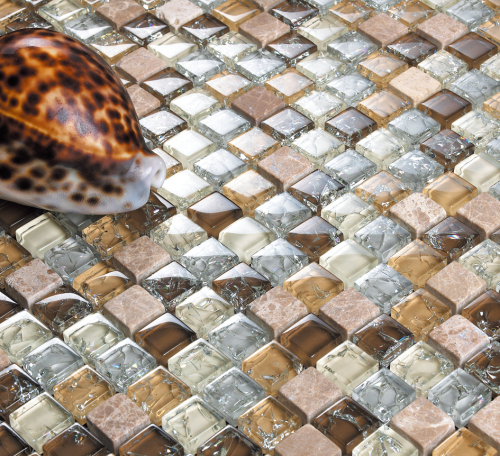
481,260
178,12
441,30
479,128
382,107
231,47
461,441
260,65
414,86
350,169
234,12
350,126
411,13
140,65
287,125
378,442
476,87
482,312
382,29
306,440
203,29
252,146
447,148
351,48
144,103
412,48
444,67
263,29
473,49
309,394
446,107
472,13
484,424
318,146
257,105
322,30
291,48
152,436
380,68
119,12
352,13
289,86
295,14
482,214
352,88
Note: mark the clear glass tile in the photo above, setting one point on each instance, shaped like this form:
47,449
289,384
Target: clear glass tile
260,65
222,126
321,68
351,88
350,168
381,147
219,168
444,67
193,106
476,87
414,127
200,66
318,146
87,28
319,107
484,260
188,147
231,47
171,48
351,48
472,13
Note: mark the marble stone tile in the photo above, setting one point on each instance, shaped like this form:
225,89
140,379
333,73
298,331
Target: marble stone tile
382,29
119,12
486,424
257,105
144,103
140,65
414,86
307,440
176,13
263,29
481,214
441,30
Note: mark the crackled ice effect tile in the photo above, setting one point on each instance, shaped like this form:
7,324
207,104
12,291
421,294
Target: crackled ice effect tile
480,170
482,366
161,125
200,66
411,13
75,440
16,389
350,169
351,14
478,127
82,391
171,47
464,442
151,439
380,68
483,261
189,146
287,125
471,13
475,87
295,14
321,68
444,67
385,441
222,126
483,313
412,48
414,127
231,47
198,364
290,85
252,146
318,146
351,48
260,65
382,147
229,440
323,29
447,148
319,106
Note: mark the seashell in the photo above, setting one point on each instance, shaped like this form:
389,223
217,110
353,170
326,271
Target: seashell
70,140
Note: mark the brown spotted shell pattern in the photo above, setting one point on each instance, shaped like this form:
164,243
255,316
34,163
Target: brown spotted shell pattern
70,140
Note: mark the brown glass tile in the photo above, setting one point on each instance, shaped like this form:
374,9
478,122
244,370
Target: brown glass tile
155,211
350,126
292,48
16,388
167,85
287,125
310,339
484,312
314,237
240,286
412,48
347,424
204,29
316,190
257,105
451,192
234,12
452,237
294,12
492,105
229,442
381,107
384,339
445,107
11,444
485,366
164,337
8,307
472,49
411,13
13,216
145,29
214,212
351,13
447,148
13,256
74,441
152,440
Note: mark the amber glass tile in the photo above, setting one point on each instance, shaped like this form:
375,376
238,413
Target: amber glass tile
292,48
451,192
464,443
473,49
8,307
314,237
420,312
227,86
16,388
382,191
241,285
418,262
154,212
11,444
447,148
252,146
314,286
289,86
74,441
411,13
484,312
492,105
381,67
151,441
347,424
412,48
13,256
384,339
82,392
294,13
452,237
352,12
214,213
204,29
445,107
351,126
485,366
382,107
310,339
491,29
13,216
234,12
167,85
157,393
164,337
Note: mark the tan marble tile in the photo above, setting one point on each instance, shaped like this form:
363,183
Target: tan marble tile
144,103
481,214
119,12
441,30
263,29
382,29
307,440
140,65
486,424
176,13
414,86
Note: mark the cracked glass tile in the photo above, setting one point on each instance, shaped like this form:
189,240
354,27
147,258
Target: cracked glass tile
92,336
188,147
382,147
145,29
472,13
82,391
292,48
192,106
351,88
287,125
484,260
28,20
227,86
289,86
476,87
231,47
349,214
483,366
171,47
350,126
444,67
384,394
478,127
203,29
495,190
411,13
192,423
387,442
380,68
414,127
421,367
152,438
384,287
382,107
318,146
351,48
294,13
113,46
321,68
71,258
167,85
278,261
323,29
260,65
157,393
58,12
124,363
232,394
493,149
198,364
412,48
483,313
319,107
8,307
21,334
350,168
491,67
460,395
416,170
203,311
282,213
352,13
237,338
252,146
223,125
227,440
347,366
161,125
200,66
209,260
87,28
219,168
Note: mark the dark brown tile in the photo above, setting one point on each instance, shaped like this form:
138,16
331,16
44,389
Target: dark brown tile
350,126
445,107
294,13
447,148
412,48
473,49
292,48
204,29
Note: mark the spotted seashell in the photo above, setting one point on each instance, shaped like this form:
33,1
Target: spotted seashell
70,140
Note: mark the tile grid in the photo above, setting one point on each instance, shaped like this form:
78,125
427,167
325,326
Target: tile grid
327,232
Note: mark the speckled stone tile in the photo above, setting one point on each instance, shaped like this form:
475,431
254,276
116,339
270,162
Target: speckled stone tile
307,440
176,13
144,103
4,360
414,86
140,65
119,12
382,29
486,424
263,29
481,214
441,30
